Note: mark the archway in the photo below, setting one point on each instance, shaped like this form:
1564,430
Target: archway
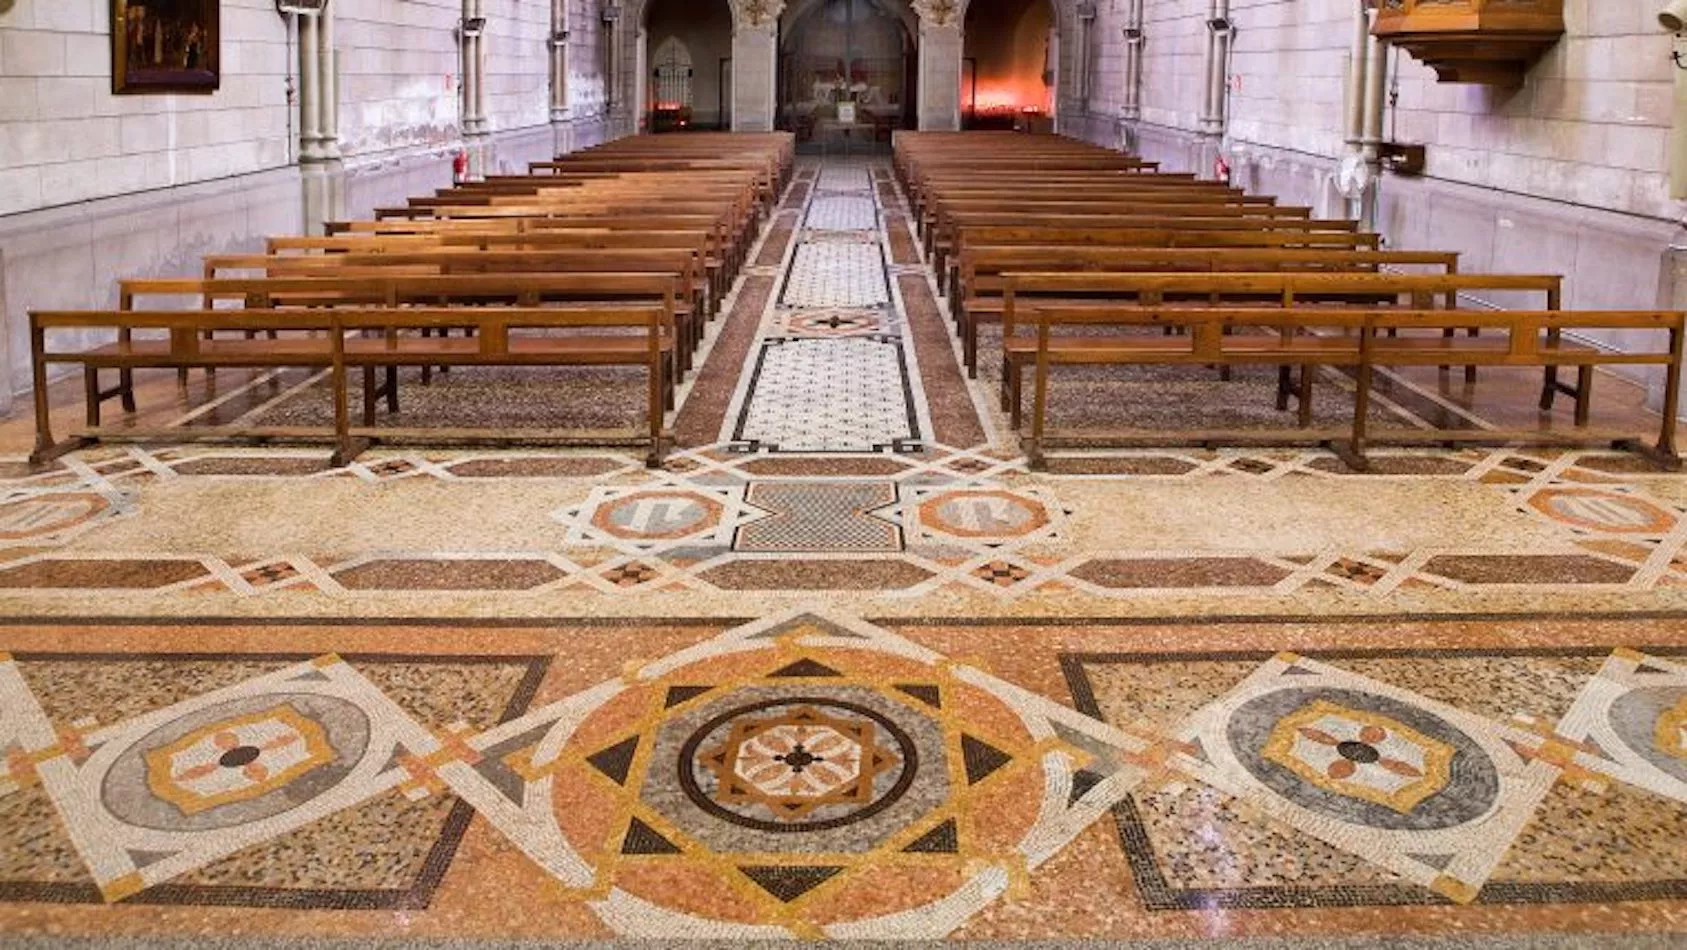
686,70
847,72
1009,64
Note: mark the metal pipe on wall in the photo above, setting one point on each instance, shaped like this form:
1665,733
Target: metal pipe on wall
292,84
1219,84
1131,108
480,72
1205,122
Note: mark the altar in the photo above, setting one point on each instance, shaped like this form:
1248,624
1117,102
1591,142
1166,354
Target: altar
844,75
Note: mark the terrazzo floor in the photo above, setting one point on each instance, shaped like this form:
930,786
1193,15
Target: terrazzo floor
844,668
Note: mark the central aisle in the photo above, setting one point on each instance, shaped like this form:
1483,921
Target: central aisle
833,368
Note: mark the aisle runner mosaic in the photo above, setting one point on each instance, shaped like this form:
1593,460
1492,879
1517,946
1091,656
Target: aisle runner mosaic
832,370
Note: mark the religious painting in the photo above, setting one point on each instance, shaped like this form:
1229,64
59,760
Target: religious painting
164,46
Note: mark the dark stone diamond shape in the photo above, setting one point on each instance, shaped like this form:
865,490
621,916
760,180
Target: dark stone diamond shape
1361,752
239,757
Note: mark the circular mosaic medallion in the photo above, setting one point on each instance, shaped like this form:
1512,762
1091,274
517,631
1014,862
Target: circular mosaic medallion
45,515
658,515
1364,758
1604,511
983,514
236,762
1653,722
797,764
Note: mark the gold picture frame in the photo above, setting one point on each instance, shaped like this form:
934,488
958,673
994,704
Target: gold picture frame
165,46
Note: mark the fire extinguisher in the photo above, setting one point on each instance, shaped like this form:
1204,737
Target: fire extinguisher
460,167
1221,170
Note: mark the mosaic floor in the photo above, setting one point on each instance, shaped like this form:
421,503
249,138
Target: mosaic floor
844,668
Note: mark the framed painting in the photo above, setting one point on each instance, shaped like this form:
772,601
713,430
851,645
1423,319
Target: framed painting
165,46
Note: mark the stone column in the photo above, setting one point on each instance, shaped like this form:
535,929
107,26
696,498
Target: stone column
560,144
328,126
941,44
755,64
474,128
310,90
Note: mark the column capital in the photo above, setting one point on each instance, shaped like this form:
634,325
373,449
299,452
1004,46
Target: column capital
932,13
759,14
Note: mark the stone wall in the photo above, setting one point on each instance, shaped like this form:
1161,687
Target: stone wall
399,69
94,187
64,137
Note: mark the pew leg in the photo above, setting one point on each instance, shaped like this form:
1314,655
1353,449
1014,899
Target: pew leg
1470,371
1039,416
91,392
1307,371
392,389
969,344
1016,395
126,389
1584,395
1354,457
1285,384
1671,407
342,416
46,449
669,379
427,371
1549,387
657,399
368,395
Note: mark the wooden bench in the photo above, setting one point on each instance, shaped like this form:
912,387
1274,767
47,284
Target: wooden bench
389,290
943,250
977,297
1108,292
340,340
1312,337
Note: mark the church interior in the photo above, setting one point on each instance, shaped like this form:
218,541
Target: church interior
1136,472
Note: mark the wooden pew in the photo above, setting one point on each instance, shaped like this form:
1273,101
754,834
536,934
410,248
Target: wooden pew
1313,337
1116,291
339,340
980,281
390,290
